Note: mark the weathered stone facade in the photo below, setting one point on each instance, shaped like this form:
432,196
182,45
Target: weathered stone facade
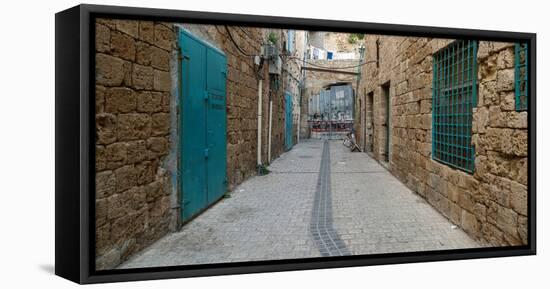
137,125
132,137
491,203
333,41
322,73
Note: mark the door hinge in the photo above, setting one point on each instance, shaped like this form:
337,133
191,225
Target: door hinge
206,95
206,153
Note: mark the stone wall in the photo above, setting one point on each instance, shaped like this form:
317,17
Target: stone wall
379,72
491,203
318,80
137,126
133,86
339,42
333,41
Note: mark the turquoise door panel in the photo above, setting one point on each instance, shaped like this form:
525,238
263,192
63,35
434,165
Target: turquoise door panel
288,121
193,127
216,124
203,125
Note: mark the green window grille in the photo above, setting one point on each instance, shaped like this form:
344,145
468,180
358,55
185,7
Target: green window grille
520,76
454,96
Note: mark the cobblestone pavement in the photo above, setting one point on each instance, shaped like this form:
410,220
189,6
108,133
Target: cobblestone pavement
275,216
375,213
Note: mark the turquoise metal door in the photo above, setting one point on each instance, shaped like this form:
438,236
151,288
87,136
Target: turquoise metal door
193,126
216,124
288,121
203,125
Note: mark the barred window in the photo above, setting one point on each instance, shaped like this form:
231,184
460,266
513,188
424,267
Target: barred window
453,98
521,74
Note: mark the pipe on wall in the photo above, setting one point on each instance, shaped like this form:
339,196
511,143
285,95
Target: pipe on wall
298,124
269,130
260,84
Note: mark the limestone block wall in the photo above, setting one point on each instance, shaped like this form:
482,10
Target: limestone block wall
333,41
319,80
500,137
491,203
339,42
133,86
137,81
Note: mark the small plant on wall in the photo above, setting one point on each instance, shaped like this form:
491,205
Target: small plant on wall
353,38
272,38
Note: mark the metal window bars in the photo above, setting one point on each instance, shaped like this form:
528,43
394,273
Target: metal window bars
454,95
521,76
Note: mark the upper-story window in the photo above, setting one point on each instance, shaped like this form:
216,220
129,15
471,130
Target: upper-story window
521,76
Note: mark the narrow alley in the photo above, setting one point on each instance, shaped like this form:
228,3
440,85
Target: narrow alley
318,200
230,143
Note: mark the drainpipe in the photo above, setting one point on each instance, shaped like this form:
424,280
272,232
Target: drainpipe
298,124
269,130
260,83
303,87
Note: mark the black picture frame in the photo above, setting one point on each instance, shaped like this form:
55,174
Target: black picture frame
75,152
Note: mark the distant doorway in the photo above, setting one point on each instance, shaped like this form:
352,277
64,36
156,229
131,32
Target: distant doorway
362,121
369,122
386,102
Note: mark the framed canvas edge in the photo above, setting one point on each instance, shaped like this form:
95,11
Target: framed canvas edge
84,236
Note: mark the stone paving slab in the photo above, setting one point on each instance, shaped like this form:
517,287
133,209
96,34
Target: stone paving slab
269,217
375,213
266,218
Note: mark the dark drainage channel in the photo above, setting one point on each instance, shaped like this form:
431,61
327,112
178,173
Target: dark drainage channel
326,239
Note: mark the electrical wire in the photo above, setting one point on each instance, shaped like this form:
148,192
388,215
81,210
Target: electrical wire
235,43
332,67
247,34
288,56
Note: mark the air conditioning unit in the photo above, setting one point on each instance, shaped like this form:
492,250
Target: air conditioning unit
275,65
274,61
270,50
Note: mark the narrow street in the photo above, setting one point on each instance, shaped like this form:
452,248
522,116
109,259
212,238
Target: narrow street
185,122
319,200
